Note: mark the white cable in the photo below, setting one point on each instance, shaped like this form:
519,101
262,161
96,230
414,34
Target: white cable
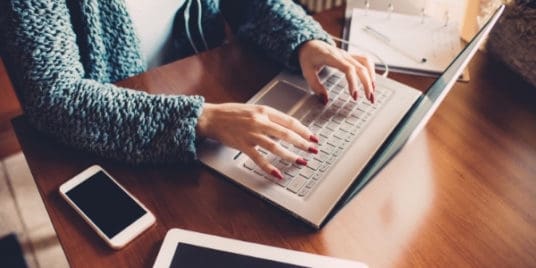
199,12
187,25
386,71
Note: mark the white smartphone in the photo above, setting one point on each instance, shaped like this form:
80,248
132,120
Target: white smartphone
116,215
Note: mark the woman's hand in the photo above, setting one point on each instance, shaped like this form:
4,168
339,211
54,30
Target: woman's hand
246,126
315,54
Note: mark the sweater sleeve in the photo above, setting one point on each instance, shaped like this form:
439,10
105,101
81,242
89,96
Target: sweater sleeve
110,121
278,27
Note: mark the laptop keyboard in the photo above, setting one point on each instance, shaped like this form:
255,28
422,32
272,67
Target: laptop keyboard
336,125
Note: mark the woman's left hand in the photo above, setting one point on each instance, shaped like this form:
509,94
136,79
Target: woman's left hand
315,54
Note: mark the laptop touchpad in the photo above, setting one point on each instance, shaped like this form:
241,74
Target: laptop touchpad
282,96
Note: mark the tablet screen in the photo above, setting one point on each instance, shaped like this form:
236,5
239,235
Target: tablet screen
187,255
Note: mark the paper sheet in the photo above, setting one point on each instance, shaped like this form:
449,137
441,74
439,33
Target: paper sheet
403,41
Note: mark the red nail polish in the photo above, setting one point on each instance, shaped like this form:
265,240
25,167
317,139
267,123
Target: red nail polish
325,99
372,98
301,161
354,95
277,174
313,150
313,138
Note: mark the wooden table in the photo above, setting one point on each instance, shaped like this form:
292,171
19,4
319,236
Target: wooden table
462,194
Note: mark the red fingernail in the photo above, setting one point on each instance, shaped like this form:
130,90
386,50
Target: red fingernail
301,161
354,95
277,174
313,150
372,98
325,99
313,138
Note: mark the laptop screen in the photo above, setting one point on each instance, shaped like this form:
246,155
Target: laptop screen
420,112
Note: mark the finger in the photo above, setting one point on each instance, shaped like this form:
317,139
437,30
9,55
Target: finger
364,75
276,149
371,69
348,69
263,163
291,123
370,66
310,75
282,133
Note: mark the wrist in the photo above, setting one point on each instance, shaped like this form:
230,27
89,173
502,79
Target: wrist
302,49
203,121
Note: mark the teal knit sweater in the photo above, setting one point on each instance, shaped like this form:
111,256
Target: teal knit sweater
63,56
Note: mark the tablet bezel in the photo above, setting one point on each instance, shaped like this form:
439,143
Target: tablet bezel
175,236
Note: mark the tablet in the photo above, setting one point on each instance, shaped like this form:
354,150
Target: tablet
183,248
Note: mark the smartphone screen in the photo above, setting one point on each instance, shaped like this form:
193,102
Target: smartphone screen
106,204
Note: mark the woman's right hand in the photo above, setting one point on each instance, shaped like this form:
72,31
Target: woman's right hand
246,126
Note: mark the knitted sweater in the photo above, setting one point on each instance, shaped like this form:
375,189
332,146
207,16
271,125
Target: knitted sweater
63,56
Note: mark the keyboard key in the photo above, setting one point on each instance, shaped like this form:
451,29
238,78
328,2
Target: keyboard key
358,113
324,167
283,182
338,103
345,113
333,79
296,184
322,155
346,127
292,171
281,164
314,164
337,152
311,184
349,136
331,160
321,121
307,173
327,148
348,106
308,120
337,89
326,133
332,125
339,135
352,120
335,142
343,83
338,118
304,191
328,84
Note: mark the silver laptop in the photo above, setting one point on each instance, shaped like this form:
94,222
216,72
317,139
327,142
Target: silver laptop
357,138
